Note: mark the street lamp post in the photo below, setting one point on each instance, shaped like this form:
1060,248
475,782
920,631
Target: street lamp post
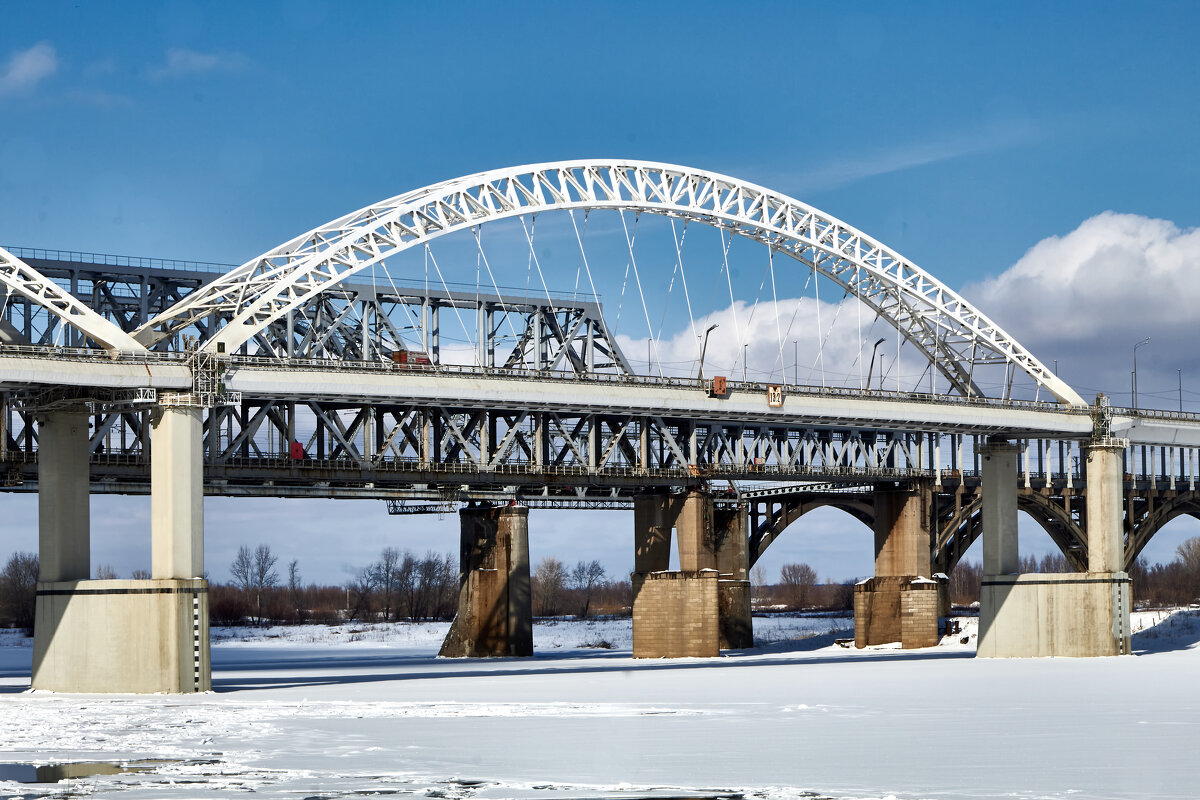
703,348
1179,373
745,360
1143,342
796,361
871,368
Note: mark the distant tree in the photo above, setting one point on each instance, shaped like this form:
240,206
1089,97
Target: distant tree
1189,561
965,581
360,592
105,572
253,572
583,581
758,584
294,590
797,581
18,591
549,581
387,579
140,575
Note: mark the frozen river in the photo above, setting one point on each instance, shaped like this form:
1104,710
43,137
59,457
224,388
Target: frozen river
352,712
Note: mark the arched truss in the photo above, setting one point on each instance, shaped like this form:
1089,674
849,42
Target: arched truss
1152,521
771,525
943,326
958,529
17,276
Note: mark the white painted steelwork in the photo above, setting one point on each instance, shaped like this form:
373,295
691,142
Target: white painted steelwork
19,277
944,327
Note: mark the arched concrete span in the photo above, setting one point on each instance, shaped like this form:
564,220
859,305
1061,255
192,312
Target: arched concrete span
951,333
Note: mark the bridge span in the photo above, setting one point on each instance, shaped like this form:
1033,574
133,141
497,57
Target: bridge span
285,377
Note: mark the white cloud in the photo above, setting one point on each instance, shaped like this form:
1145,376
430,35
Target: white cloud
27,68
1086,297
752,333
181,62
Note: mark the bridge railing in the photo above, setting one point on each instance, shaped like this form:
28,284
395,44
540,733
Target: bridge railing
110,260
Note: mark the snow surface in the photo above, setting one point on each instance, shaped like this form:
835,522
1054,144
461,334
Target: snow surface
366,710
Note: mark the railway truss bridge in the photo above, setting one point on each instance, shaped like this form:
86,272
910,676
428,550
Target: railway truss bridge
323,368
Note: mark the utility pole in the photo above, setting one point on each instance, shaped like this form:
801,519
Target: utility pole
745,358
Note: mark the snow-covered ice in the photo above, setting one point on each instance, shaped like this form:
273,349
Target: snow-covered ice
361,710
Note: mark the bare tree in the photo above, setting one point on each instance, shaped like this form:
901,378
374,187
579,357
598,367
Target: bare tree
140,575
549,580
254,573
361,594
294,589
798,581
18,590
584,579
105,572
387,579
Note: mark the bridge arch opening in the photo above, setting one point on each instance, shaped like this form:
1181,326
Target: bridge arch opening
836,544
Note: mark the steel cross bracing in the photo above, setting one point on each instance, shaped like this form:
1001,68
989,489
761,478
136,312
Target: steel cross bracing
350,322
953,335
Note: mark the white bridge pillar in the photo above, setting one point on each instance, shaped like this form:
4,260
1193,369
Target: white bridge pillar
64,540
1069,614
176,493
127,636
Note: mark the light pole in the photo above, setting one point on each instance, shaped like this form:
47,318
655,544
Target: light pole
796,361
745,359
871,368
1179,373
1143,342
703,348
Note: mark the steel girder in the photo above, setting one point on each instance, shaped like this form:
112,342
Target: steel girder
22,279
951,333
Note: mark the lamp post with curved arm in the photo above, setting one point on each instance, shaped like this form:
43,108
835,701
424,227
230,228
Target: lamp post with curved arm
1135,349
700,373
871,368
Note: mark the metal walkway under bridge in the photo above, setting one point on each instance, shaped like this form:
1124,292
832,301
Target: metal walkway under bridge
319,369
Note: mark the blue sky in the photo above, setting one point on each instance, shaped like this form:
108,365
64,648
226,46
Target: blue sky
961,135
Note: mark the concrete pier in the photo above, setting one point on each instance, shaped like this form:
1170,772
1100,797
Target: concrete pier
1077,614
899,604
176,493
735,624
144,636
495,613
64,535
677,613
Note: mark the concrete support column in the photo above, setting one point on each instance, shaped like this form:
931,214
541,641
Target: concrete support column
64,544
1105,509
675,614
495,611
1001,555
901,531
731,536
899,604
176,493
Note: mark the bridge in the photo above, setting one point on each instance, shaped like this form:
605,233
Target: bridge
319,369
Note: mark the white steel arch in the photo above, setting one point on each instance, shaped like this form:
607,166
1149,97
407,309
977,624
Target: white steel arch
948,330
19,277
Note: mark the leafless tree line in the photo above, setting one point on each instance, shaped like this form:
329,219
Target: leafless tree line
580,591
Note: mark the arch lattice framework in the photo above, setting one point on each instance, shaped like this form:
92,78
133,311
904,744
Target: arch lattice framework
947,330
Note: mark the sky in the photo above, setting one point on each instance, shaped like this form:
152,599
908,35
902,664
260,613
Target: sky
1037,157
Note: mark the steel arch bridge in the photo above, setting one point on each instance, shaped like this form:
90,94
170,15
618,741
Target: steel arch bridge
947,330
633,439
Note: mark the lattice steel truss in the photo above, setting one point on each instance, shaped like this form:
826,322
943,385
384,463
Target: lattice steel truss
951,333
